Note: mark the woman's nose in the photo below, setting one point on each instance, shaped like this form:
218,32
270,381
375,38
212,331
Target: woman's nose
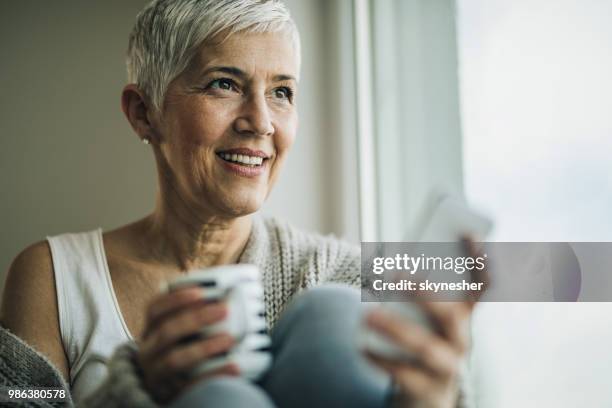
255,117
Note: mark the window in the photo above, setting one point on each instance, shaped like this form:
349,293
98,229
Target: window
537,135
416,126
507,102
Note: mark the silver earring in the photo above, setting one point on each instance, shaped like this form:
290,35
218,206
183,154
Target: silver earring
146,141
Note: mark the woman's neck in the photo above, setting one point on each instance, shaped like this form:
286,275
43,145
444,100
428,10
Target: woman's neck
191,239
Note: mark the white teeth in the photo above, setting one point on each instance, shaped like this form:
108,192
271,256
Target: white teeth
242,159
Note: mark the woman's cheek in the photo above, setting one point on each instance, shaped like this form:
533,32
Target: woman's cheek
277,166
288,133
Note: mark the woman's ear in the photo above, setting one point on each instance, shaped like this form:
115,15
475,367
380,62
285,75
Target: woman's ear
138,112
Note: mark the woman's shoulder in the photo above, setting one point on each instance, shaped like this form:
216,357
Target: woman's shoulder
30,272
29,300
33,266
29,306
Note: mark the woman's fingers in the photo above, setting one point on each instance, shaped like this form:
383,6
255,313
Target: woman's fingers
431,378
183,358
438,352
181,324
167,303
478,275
172,344
413,381
452,321
171,377
435,354
188,322
417,387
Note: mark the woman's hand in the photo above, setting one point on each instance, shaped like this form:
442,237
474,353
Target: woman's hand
165,357
432,380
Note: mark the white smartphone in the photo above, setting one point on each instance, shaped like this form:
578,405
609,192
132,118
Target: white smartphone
447,218
444,218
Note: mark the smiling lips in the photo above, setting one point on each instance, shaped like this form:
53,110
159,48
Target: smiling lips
244,157
244,162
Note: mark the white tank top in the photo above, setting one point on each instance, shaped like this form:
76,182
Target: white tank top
90,320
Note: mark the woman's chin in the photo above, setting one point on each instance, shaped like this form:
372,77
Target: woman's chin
243,205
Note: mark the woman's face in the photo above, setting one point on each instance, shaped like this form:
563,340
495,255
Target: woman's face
228,123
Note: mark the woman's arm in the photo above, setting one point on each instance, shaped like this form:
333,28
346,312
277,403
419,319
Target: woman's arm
29,304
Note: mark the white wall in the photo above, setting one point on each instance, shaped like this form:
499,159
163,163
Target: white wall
70,162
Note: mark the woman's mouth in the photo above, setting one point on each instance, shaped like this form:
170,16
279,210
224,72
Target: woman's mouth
243,164
242,159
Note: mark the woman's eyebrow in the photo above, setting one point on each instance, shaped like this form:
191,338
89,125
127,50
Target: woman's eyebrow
237,72
283,77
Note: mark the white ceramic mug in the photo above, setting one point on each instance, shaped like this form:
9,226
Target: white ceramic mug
240,286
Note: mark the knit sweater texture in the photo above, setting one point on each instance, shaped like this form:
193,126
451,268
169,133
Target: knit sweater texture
293,260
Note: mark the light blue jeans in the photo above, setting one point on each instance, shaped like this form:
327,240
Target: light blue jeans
316,361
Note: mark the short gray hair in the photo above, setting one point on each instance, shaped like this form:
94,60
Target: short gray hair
168,33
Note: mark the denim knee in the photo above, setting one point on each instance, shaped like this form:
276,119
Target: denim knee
317,361
225,391
327,300
323,309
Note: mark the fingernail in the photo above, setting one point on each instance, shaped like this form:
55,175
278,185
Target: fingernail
214,313
234,369
376,317
220,309
223,337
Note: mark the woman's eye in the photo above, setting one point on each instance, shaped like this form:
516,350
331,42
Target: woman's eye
223,83
283,93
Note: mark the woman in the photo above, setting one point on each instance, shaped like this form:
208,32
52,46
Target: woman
212,91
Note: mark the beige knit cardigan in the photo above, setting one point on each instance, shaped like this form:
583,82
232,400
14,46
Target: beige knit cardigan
292,260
